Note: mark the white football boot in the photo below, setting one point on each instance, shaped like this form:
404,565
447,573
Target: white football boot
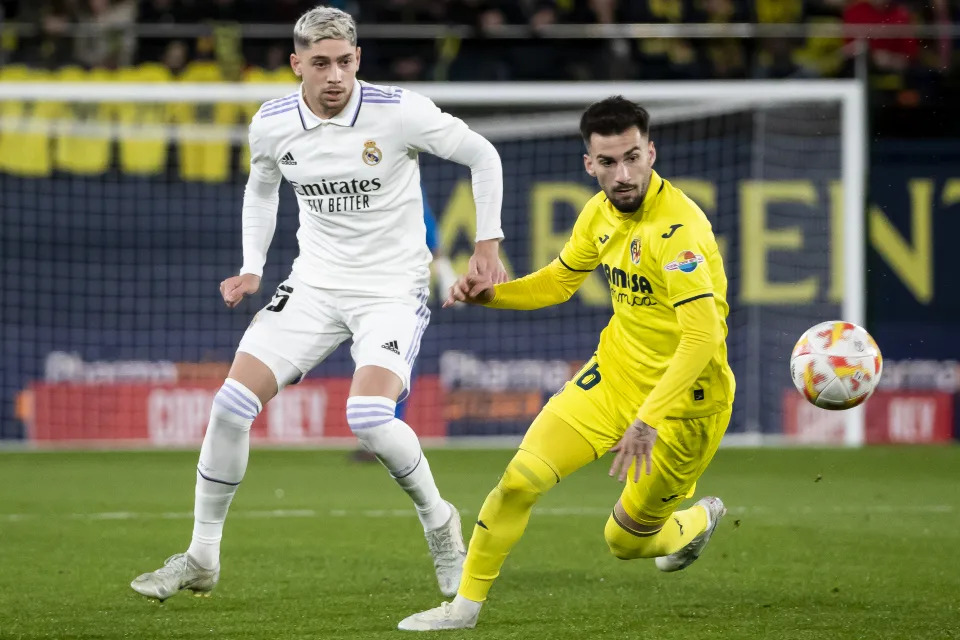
178,572
685,557
448,551
459,614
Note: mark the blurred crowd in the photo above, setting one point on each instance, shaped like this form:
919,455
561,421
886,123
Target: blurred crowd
475,53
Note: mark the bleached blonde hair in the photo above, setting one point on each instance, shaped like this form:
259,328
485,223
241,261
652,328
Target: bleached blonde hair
324,23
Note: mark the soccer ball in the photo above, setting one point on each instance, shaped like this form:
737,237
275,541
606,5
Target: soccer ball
836,365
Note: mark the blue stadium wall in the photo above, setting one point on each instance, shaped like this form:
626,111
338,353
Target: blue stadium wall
115,267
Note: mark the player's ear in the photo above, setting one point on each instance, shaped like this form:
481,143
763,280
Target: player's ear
295,65
358,57
652,150
588,165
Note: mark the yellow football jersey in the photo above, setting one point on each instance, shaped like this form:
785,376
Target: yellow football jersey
655,260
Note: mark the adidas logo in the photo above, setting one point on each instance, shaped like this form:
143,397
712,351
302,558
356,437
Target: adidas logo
391,346
287,159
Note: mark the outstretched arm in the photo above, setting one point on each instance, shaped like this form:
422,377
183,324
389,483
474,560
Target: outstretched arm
551,285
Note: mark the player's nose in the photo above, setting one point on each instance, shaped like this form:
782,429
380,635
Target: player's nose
623,174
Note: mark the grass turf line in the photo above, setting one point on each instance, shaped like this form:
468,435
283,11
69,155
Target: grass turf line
866,551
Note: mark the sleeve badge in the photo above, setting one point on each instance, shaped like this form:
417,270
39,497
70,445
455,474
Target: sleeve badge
686,262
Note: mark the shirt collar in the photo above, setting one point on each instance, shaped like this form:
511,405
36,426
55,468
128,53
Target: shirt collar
346,118
653,190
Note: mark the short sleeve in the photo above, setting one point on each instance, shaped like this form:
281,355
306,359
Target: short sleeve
427,128
683,253
580,253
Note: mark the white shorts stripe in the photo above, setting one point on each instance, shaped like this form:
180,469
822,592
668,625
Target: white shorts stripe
424,314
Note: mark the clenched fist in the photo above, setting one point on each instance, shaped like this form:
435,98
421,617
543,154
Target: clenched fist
233,289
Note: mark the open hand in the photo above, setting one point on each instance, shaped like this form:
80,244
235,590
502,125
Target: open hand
636,446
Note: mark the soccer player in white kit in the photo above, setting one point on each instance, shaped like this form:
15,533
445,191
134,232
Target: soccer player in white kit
349,150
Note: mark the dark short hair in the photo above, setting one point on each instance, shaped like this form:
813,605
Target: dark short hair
611,116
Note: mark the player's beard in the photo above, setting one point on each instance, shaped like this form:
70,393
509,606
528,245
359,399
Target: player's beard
629,201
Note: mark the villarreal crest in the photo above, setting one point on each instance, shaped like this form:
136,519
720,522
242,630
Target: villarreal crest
635,251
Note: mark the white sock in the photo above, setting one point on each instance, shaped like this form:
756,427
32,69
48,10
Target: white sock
223,461
371,418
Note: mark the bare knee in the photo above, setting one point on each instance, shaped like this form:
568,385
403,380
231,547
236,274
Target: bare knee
371,380
255,375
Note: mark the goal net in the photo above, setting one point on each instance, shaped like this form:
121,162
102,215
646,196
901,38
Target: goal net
120,215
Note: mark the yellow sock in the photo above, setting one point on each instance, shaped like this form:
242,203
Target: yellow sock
551,450
678,530
502,520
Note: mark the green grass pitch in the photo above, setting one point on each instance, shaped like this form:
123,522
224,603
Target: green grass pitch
819,544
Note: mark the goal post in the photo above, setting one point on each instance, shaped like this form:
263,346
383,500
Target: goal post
105,185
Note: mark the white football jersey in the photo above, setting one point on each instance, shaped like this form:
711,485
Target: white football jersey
357,181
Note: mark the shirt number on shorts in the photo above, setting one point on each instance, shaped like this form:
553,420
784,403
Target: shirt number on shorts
589,378
280,298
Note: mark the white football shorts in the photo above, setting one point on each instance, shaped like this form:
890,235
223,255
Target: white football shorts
302,325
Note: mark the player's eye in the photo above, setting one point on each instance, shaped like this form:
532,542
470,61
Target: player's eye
633,158
320,65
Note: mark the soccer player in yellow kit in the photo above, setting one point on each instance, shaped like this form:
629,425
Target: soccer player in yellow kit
658,391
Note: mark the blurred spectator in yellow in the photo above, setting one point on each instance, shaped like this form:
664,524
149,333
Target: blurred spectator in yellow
107,38
56,44
723,57
660,58
776,57
175,57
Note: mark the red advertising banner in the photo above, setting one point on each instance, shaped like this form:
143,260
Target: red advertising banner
915,417
804,423
909,417
177,414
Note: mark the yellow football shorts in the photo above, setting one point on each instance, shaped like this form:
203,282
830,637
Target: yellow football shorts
684,448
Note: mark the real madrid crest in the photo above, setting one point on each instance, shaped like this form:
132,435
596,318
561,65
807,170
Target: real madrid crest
371,153
635,251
